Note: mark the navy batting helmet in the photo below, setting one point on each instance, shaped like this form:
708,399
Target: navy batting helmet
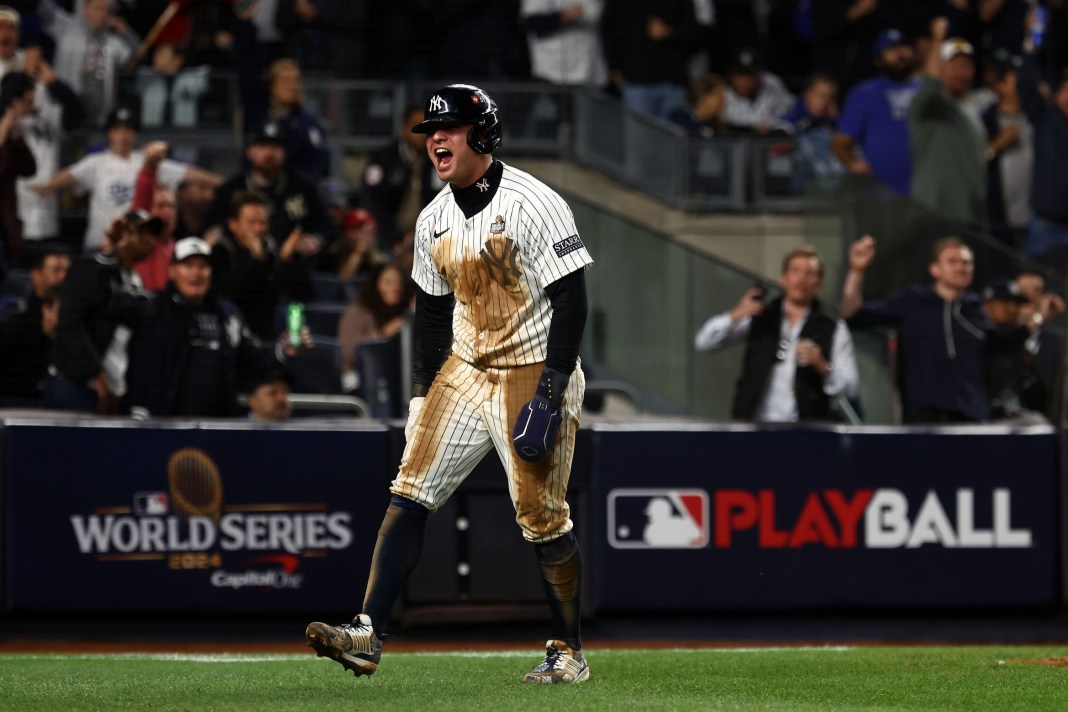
459,105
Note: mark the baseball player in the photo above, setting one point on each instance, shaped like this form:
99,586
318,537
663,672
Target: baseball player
500,311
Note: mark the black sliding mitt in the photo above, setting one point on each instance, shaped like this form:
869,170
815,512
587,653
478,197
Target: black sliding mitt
535,428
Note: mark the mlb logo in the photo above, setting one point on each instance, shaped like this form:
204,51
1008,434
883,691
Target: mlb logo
658,518
147,503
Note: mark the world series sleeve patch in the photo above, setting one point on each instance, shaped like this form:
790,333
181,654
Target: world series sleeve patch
567,245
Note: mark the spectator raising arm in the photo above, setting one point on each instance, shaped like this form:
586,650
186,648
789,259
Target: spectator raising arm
861,253
62,180
932,63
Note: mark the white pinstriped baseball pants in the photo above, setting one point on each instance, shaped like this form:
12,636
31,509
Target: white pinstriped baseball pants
468,411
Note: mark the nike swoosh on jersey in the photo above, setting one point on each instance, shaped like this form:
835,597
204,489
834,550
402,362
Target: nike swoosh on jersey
439,234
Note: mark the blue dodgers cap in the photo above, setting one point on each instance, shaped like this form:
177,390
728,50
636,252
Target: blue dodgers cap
886,40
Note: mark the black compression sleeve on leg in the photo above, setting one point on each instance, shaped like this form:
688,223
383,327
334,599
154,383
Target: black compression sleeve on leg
400,541
561,576
432,338
568,298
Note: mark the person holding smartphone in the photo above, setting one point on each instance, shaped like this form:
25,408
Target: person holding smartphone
797,359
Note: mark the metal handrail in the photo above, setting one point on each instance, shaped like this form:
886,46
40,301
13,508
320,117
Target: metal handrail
623,388
332,403
324,402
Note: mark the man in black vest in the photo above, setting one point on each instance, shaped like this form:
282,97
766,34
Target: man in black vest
797,359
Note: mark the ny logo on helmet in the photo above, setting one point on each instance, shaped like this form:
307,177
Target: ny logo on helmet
437,103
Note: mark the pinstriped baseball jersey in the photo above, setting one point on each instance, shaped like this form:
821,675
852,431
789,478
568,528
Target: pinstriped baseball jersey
497,263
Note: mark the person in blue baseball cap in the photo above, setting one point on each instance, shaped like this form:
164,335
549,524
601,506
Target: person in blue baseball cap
872,138
887,39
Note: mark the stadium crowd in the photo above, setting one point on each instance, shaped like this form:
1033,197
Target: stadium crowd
962,105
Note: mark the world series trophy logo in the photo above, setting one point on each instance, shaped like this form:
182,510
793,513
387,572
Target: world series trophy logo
190,529
196,487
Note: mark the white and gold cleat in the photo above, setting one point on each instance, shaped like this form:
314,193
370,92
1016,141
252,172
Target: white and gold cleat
561,664
354,645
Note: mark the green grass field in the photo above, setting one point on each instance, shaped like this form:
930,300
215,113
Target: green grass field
831,678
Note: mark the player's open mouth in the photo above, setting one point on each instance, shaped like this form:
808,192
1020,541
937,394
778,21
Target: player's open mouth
443,156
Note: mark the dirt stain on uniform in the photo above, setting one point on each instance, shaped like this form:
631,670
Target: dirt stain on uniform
429,435
540,502
491,292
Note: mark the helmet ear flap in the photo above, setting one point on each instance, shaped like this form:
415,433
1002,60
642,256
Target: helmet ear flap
485,135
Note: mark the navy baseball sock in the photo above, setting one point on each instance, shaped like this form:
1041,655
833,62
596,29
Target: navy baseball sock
561,576
400,541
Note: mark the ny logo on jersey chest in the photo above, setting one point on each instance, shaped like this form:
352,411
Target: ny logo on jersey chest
500,256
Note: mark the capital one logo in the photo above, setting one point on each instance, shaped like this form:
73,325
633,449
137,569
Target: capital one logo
658,518
437,103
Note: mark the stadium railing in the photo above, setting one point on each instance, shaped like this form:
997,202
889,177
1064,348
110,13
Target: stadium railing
734,173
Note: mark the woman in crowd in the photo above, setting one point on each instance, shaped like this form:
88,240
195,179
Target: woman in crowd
379,312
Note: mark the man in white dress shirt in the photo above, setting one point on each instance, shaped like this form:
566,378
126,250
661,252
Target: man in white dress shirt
797,359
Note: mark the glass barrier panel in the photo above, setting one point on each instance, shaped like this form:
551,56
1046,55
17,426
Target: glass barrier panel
599,134
715,174
194,98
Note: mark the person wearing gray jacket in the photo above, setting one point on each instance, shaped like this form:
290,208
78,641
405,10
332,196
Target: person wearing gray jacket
91,47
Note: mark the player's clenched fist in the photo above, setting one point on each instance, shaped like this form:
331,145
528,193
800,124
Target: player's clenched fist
535,428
